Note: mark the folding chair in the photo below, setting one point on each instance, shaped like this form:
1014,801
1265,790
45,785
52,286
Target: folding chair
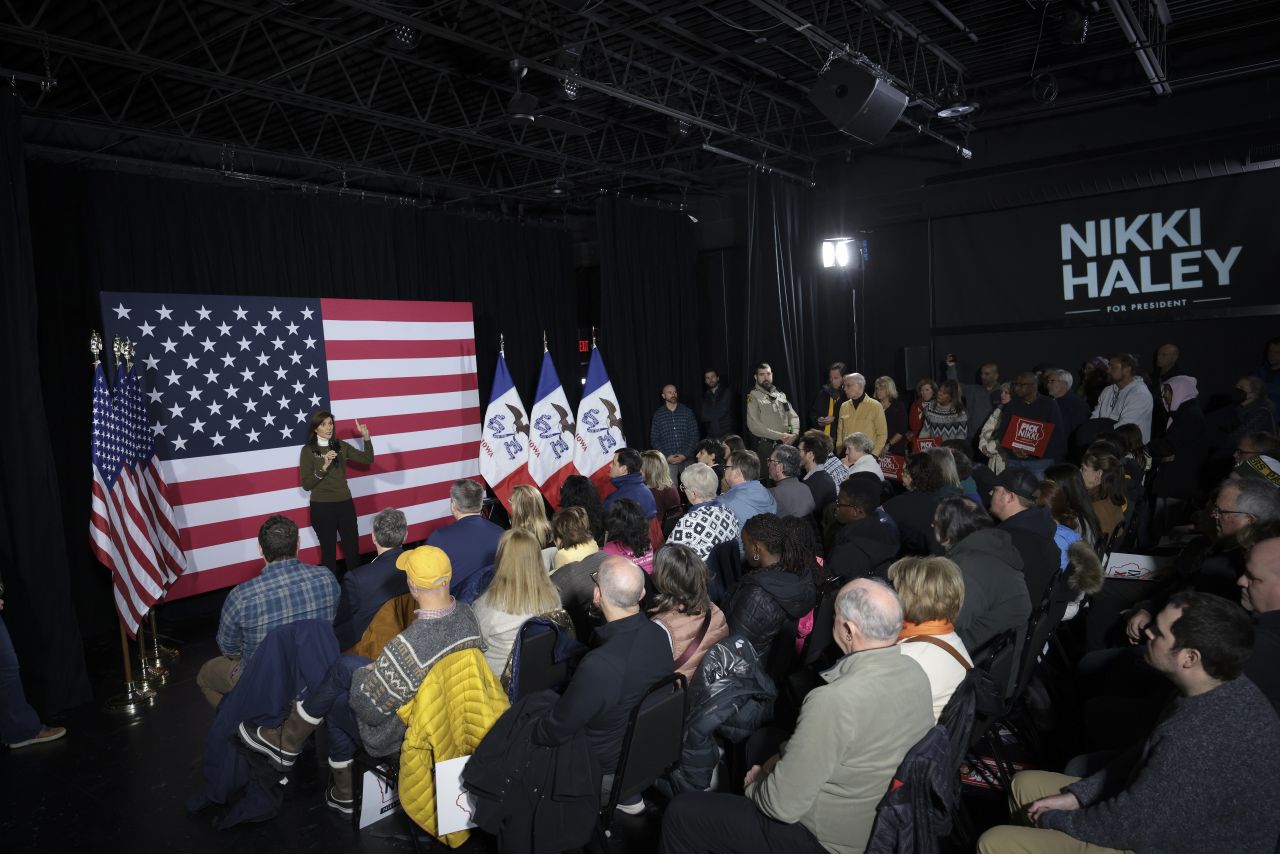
538,667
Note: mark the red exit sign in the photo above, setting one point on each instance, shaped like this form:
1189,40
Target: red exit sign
584,345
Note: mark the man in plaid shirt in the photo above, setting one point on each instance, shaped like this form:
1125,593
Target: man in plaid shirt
285,591
674,431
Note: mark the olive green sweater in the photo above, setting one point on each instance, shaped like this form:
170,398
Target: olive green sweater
331,485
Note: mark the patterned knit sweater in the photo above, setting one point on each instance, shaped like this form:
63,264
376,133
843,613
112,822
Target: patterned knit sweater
403,665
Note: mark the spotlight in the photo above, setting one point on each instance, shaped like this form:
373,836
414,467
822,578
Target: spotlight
568,88
837,252
404,38
954,103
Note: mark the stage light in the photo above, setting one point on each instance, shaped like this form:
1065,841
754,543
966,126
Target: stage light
404,38
837,252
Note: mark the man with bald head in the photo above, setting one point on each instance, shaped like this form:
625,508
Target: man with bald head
630,653
862,413
1029,404
1260,596
820,792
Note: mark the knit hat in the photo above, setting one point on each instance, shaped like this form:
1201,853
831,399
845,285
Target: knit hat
1267,468
426,566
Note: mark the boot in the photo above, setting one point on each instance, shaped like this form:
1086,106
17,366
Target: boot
282,744
339,795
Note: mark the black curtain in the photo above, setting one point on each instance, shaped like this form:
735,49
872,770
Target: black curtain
787,311
650,334
33,552
102,230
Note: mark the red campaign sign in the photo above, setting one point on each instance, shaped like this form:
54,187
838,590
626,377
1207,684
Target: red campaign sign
1027,435
891,465
919,444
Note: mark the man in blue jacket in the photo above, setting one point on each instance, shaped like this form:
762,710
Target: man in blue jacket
628,482
472,540
366,588
743,492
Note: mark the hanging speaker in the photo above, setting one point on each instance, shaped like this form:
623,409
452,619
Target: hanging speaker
857,102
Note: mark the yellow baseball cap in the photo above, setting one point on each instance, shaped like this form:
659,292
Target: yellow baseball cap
426,566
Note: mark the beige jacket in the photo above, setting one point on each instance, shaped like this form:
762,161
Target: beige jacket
770,415
852,735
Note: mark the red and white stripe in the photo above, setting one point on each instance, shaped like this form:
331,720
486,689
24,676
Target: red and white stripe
120,533
407,370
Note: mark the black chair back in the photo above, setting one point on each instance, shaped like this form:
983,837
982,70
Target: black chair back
824,621
653,742
538,667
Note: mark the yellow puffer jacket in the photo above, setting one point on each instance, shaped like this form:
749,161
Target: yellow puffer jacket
455,706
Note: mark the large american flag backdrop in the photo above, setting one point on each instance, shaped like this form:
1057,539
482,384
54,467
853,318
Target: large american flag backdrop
231,382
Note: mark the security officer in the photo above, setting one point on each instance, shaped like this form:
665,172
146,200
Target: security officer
770,417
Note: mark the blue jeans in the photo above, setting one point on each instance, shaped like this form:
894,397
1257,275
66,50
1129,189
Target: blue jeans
18,721
330,701
1035,466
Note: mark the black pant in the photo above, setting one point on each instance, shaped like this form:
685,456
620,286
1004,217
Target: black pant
329,519
712,823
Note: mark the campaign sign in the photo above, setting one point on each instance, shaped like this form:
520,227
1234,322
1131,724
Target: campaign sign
920,443
892,465
1027,435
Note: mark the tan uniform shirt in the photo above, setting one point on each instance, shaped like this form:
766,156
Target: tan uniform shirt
770,416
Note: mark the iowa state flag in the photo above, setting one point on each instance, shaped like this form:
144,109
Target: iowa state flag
504,438
551,439
599,426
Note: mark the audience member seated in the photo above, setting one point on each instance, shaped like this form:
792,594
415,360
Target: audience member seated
284,591
1028,403
1072,407
732,443
366,588
962,455
705,524
1063,493
529,513
1206,779
1267,468
1260,596
1252,413
743,493
792,497
895,415
631,653
579,491
627,534
815,450
575,582
929,477
358,699
571,532
710,452
989,435
995,593
692,621
858,455
779,587
470,540
520,589
932,591
820,792
866,541
1212,565
657,476
627,477
1104,477
1013,504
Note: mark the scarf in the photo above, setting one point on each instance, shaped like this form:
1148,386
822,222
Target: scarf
928,627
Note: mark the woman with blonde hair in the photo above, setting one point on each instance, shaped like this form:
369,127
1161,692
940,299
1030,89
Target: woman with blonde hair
932,591
520,589
657,476
895,415
529,513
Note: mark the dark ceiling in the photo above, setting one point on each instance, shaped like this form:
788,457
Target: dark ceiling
414,99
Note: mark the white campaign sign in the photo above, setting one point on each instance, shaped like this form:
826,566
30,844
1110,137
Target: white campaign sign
453,806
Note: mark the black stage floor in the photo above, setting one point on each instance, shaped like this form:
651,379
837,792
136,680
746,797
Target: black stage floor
120,784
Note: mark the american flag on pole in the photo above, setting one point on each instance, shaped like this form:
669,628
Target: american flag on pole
131,525
231,382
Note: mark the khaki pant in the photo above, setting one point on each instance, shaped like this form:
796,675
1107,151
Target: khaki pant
217,677
1029,786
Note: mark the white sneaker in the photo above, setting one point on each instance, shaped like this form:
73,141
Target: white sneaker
632,809
46,733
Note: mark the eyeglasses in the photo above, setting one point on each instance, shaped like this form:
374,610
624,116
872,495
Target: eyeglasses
1218,512
595,577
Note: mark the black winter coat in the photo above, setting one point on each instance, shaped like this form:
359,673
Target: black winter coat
863,548
995,594
764,602
1032,531
1180,454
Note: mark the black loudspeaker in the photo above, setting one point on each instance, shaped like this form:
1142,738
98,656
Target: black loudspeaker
913,366
857,102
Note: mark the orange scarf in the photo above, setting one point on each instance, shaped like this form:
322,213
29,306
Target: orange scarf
929,627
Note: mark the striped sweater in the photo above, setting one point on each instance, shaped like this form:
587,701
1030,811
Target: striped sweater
404,663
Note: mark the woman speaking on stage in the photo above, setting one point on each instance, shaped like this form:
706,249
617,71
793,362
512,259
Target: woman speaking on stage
322,467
